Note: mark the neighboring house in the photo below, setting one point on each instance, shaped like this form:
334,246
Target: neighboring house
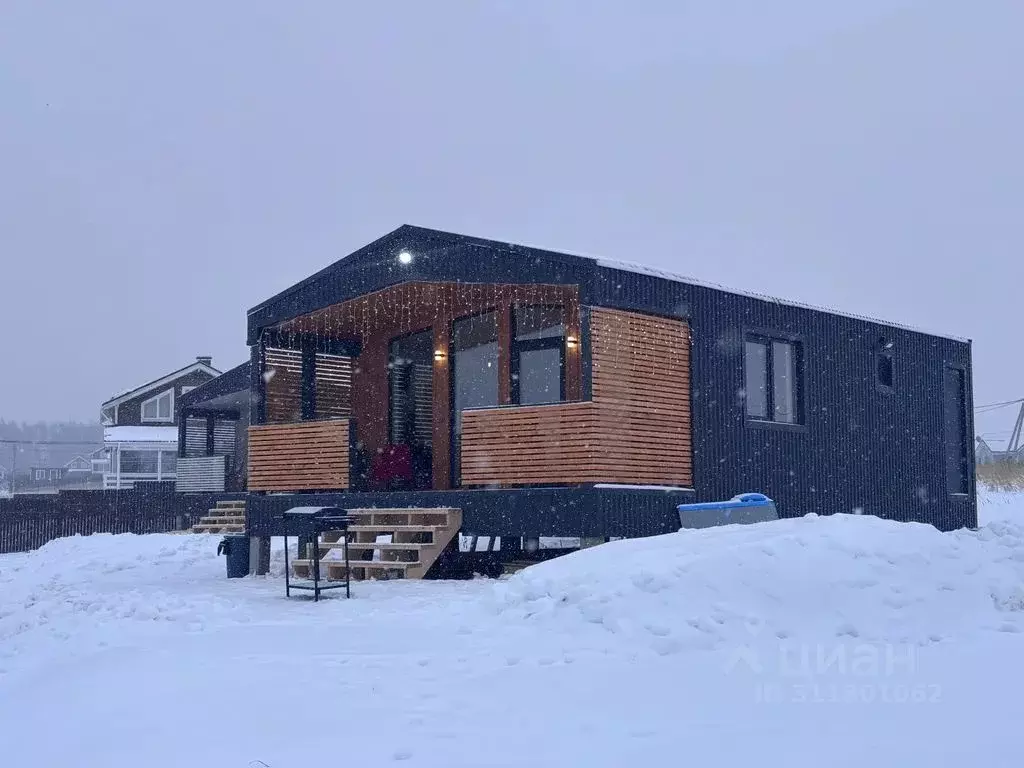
985,454
100,461
79,465
547,394
213,434
41,480
140,434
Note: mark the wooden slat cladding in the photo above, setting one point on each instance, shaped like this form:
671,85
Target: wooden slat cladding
308,456
333,386
641,391
283,385
528,444
636,430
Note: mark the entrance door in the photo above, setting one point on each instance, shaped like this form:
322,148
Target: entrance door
474,373
410,404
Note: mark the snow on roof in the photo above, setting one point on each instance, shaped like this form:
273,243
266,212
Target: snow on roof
643,269
140,435
628,266
198,365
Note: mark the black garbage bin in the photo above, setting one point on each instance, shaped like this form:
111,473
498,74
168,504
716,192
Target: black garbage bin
236,552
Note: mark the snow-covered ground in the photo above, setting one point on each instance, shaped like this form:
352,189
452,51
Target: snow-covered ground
842,641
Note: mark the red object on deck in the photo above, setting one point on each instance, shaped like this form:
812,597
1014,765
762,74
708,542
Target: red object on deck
393,463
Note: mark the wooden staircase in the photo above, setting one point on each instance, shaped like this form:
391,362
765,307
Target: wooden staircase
225,517
386,544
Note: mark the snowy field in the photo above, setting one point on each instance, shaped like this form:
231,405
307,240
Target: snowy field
838,641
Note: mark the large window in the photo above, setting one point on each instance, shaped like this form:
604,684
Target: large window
138,462
772,372
159,408
474,371
538,355
168,462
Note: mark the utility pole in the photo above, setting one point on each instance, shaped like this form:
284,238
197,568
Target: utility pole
1015,436
14,466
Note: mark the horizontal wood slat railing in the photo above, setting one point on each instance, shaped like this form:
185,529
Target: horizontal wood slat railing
635,430
305,456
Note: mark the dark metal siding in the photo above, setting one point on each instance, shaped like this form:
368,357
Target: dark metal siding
860,447
582,511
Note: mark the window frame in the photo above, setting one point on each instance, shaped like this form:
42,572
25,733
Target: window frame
767,337
168,393
517,346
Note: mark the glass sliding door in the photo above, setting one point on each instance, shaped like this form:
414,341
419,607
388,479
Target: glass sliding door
411,402
474,370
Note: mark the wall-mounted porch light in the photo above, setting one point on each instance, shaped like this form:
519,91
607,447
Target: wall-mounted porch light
571,341
405,257
439,355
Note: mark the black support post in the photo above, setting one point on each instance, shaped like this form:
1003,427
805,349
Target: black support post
211,420
182,431
308,382
257,385
586,359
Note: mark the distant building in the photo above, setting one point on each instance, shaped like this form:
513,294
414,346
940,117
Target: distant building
140,434
985,454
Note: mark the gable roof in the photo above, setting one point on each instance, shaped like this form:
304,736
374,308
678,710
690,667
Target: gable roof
197,365
448,256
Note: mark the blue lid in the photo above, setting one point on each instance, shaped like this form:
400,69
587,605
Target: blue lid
743,500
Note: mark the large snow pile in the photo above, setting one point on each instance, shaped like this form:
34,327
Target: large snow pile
730,646
841,576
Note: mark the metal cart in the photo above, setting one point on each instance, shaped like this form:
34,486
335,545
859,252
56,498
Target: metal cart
309,523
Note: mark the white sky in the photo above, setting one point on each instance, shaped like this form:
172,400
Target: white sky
163,167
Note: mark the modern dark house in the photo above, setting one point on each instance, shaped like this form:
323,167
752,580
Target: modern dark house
519,392
140,426
213,434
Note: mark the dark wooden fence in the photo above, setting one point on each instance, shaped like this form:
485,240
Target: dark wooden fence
28,521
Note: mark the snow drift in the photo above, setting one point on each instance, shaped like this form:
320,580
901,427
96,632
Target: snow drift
842,576
615,655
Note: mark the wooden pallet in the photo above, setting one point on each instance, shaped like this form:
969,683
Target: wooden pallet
410,542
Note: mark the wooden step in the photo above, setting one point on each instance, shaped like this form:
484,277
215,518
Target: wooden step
200,528
233,504
400,510
442,523
393,528
373,565
214,520
339,546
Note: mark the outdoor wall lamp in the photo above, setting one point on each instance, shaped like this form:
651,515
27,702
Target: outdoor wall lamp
405,258
571,341
439,355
